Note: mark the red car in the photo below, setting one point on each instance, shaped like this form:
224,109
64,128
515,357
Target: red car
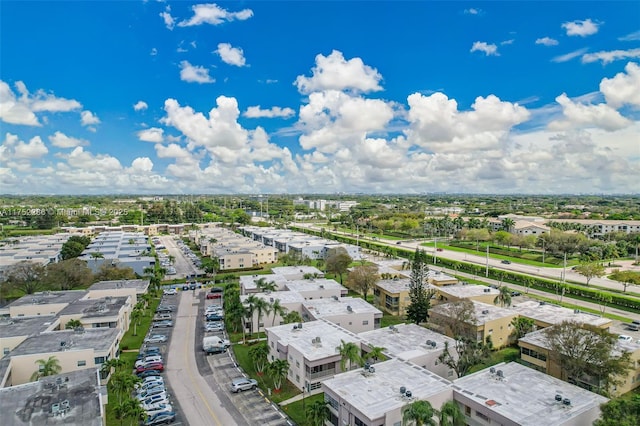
214,295
156,366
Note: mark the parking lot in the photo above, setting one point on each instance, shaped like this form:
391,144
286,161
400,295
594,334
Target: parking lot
184,263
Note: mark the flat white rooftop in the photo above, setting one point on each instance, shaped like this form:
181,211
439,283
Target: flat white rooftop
539,338
283,296
394,286
405,341
483,311
302,339
377,393
554,314
526,396
248,282
296,270
329,307
462,291
314,285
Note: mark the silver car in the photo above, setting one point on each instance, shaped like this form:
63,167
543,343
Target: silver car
243,384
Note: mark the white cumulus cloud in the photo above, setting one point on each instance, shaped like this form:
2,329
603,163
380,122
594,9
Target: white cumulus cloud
577,115
610,56
169,21
333,72
22,109
153,134
61,140
569,56
547,41
87,118
215,15
258,112
582,28
194,73
623,89
231,55
142,164
486,48
140,106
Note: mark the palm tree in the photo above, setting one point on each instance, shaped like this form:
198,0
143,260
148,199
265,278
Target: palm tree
277,309
258,354
250,303
265,286
451,415
317,413
507,224
278,370
72,324
129,408
109,365
375,353
262,307
123,383
136,314
349,351
418,413
504,297
46,367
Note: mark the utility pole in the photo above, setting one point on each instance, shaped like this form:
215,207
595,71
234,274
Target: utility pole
486,274
564,268
435,249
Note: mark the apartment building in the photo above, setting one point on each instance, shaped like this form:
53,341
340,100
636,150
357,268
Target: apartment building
119,288
289,300
43,303
107,312
248,282
511,394
311,350
536,353
375,396
298,272
455,293
413,343
392,296
74,350
489,321
317,288
352,314
546,314
14,331
119,248
75,398
41,249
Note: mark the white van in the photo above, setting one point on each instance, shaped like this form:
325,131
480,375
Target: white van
148,359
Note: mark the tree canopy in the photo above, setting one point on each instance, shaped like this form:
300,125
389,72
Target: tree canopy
418,309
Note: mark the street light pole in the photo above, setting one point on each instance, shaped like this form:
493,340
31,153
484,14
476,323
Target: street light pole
435,249
564,268
487,269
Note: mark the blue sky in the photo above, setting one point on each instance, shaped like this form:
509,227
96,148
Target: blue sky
319,97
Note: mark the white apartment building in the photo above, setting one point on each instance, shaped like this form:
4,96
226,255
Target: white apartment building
352,314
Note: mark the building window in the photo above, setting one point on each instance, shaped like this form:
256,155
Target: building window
467,410
297,364
332,402
365,322
450,373
482,416
6,351
297,378
82,363
99,360
358,422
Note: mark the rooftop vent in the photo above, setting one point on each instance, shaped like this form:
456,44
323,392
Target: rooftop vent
402,390
485,312
486,290
499,373
558,397
576,311
335,297
408,394
295,327
300,325
492,370
428,342
566,401
349,308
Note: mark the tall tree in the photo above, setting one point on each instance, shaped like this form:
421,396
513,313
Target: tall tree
418,309
588,354
620,412
349,352
362,278
375,353
277,309
67,275
418,413
113,273
47,367
590,270
74,246
522,326
25,276
262,307
465,354
338,262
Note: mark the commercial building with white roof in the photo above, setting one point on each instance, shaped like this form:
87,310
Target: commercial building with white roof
311,350
512,394
374,398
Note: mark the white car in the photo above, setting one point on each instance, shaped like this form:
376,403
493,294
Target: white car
170,292
162,408
214,326
154,403
147,360
150,381
624,338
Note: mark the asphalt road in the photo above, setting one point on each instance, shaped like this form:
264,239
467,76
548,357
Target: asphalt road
198,401
184,266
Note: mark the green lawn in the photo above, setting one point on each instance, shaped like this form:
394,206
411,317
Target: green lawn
388,320
129,341
264,382
296,410
518,257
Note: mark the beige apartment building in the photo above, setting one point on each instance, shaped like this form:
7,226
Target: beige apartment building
392,296
535,353
458,292
490,321
351,313
545,314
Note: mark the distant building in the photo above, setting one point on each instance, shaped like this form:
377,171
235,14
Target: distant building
121,249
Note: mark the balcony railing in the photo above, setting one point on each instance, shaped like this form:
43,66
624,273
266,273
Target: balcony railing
323,373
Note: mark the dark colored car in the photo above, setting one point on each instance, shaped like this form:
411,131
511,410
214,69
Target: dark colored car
185,287
439,249
192,286
506,262
148,373
161,419
211,350
516,293
214,317
216,290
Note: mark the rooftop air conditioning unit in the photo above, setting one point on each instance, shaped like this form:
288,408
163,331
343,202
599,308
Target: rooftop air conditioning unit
402,390
558,397
428,342
499,373
485,312
566,401
300,325
408,394
335,297
492,370
372,370
486,290
349,308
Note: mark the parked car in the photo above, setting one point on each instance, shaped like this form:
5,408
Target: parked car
624,338
149,381
214,295
439,249
161,418
516,293
163,324
162,316
214,317
148,373
163,309
148,360
156,366
506,262
214,326
158,390
154,402
192,286
243,384
170,292
185,287
216,290
163,408
156,338
215,350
